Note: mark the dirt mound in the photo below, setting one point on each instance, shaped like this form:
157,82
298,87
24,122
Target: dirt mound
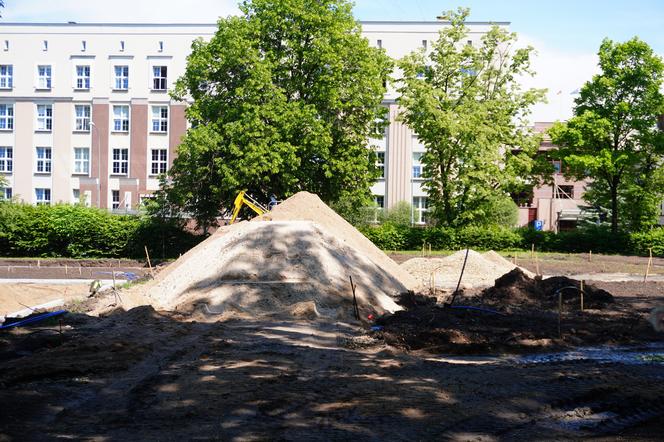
289,268
481,269
305,206
518,289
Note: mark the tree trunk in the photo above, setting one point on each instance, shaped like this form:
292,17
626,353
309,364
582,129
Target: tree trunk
614,209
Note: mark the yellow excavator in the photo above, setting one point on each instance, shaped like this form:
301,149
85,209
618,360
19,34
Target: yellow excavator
243,199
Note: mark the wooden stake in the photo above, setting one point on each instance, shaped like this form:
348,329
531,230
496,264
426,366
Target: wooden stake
113,273
147,255
645,278
590,256
560,313
356,309
66,270
532,251
537,269
581,295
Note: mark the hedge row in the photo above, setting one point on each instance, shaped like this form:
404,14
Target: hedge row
599,240
80,232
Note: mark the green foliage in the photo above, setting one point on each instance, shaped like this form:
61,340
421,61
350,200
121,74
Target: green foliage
468,109
499,210
597,239
400,214
613,137
285,97
75,231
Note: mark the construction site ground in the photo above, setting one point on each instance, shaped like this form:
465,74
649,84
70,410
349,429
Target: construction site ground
427,373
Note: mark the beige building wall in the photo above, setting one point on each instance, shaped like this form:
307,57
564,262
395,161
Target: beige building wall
399,156
62,152
24,128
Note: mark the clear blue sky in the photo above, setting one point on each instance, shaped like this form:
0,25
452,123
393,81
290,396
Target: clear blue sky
565,24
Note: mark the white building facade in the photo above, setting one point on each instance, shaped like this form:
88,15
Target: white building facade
85,113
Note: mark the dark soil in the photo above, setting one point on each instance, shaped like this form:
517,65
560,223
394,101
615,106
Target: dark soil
520,314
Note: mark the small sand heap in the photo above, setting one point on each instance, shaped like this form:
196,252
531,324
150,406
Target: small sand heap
482,269
294,261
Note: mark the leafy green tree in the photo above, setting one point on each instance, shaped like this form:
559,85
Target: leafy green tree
466,106
285,98
613,137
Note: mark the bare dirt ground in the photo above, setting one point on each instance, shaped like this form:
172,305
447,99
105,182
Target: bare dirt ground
69,268
430,373
147,375
573,264
16,297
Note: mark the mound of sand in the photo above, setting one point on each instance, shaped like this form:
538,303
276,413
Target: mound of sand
293,268
305,206
482,269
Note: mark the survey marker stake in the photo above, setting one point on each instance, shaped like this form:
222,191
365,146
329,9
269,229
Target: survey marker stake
356,310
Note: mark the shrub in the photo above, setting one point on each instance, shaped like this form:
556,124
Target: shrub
75,231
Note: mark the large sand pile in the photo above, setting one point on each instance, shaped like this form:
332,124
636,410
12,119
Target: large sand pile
482,269
305,206
296,260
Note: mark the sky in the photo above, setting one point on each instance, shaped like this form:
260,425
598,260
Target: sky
565,33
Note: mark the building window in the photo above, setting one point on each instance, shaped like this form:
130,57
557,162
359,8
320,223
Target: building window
81,160
565,192
121,118
43,160
424,44
557,166
120,161
44,117
76,195
420,209
417,164
6,45
84,45
159,163
45,45
469,42
379,201
380,163
6,76
6,159
159,78
121,78
6,117
82,117
122,45
159,118
44,77
5,193
82,77
115,197
379,43
43,196
161,46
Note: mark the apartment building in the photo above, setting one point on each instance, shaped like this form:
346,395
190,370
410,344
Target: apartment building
85,113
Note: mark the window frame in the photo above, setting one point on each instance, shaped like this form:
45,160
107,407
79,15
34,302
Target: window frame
121,82
161,121
380,163
47,77
6,193
416,163
122,120
81,165
122,163
159,82
115,205
6,76
44,164
6,159
8,117
45,201
420,209
46,119
83,81
161,162
84,120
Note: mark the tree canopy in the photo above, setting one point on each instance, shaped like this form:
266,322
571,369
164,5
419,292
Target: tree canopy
285,98
465,104
613,137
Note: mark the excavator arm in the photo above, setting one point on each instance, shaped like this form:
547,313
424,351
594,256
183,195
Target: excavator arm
243,199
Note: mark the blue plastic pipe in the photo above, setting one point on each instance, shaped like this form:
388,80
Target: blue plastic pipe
33,319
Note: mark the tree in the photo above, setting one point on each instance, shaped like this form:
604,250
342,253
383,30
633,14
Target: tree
285,98
466,106
613,137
